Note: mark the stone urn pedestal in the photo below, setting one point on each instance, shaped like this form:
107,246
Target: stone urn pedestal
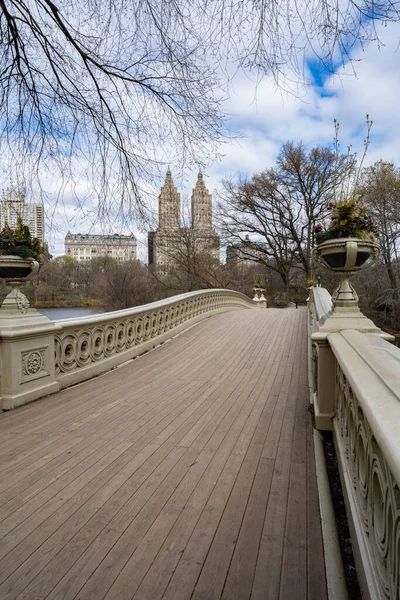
346,256
26,339
16,271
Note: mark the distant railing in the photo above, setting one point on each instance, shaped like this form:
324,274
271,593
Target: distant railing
366,426
87,346
39,357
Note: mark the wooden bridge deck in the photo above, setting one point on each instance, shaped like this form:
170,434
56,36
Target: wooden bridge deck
187,473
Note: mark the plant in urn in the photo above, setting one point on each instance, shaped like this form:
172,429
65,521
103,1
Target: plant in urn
349,243
20,259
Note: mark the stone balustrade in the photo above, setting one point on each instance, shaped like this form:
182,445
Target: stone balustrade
39,357
355,383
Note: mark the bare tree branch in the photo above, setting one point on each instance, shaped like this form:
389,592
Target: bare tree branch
280,206
105,92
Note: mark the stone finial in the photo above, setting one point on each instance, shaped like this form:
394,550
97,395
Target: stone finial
200,185
168,177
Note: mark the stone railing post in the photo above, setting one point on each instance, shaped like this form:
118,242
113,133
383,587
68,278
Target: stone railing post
27,370
355,383
328,320
324,398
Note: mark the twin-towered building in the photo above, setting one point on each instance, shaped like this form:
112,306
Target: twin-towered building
173,247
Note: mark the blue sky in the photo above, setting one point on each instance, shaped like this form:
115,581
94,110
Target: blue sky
264,117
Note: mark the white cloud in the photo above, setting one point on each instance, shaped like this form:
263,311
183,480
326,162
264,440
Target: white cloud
264,118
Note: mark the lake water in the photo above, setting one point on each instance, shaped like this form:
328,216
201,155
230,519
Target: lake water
67,313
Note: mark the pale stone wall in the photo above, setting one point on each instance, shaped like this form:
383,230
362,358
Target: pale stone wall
169,205
206,240
201,205
83,247
167,246
355,386
207,243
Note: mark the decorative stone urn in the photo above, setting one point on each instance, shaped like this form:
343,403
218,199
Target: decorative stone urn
16,270
27,367
259,297
346,256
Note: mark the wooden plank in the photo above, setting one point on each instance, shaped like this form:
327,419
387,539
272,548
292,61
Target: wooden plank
26,488
213,575
116,560
61,566
65,574
143,429
173,549
187,571
69,530
267,574
97,476
294,560
103,384
187,473
239,581
55,495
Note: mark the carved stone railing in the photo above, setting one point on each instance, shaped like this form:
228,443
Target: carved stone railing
87,346
361,383
39,357
367,437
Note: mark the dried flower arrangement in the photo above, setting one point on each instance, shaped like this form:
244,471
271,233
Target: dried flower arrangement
349,217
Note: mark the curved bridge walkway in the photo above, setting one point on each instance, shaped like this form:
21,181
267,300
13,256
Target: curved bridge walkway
186,473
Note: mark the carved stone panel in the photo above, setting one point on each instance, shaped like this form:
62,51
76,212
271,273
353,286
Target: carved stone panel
33,364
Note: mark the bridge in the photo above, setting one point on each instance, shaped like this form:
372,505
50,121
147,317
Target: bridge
172,455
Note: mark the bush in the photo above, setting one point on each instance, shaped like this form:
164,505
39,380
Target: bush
19,242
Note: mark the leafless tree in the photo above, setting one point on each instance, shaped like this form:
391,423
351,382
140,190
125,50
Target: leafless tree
99,93
279,38
124,284
56,281
103,92
244,211
280,207
380,188
195,268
